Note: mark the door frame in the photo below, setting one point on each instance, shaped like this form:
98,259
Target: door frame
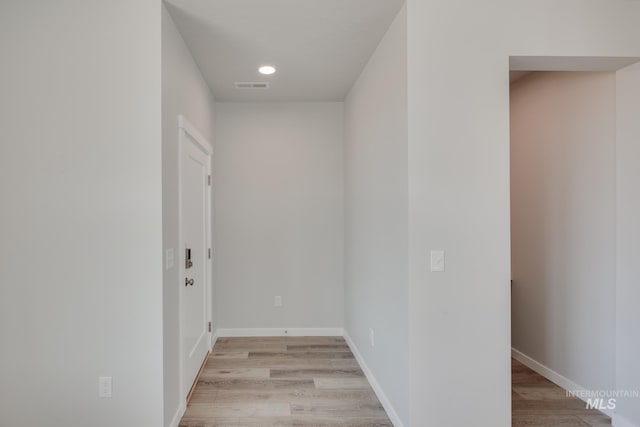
187,130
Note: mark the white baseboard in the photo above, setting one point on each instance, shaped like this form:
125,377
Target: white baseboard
280,332
386,404
175,421
555,378
620,421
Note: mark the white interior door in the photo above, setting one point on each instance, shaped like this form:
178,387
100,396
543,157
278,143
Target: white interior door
195,285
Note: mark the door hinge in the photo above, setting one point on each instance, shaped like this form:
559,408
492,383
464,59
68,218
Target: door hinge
209,326
209,180
209,253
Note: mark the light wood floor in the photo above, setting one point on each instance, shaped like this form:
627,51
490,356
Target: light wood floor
536,401
316,381
283,382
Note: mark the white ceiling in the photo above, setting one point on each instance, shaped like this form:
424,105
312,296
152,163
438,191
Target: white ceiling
318,46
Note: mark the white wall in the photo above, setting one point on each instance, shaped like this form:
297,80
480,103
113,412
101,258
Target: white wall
184,91
459,185
563,132
628,242
80,223
279,217
376,286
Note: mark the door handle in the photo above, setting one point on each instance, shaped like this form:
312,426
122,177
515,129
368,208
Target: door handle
188,282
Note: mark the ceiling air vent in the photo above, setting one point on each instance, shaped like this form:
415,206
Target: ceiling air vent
252,85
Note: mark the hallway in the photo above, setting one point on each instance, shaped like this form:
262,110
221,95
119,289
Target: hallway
537,402
304,381
284,382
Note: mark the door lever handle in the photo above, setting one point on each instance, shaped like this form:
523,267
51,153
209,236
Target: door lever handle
188,282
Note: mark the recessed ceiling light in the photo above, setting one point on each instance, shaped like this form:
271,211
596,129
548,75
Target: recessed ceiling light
267,69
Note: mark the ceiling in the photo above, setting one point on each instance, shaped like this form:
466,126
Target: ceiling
319,47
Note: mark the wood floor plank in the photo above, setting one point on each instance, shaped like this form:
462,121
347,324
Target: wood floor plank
281,362
290,422
209,422
318,347
295,372
238,347
302,354
230,355
339,409
202,395
368,422
209,373
546,420
596,420
540,393
238,409
255,384
314,422
337,383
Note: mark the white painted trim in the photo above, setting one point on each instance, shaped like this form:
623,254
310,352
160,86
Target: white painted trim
280,332
184,124
377,388
175,421
552,376
620,421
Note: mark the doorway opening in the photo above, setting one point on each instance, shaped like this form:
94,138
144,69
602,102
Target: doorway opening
563,239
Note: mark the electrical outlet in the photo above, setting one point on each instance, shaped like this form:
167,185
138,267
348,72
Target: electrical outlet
104,386
372,338
277,301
